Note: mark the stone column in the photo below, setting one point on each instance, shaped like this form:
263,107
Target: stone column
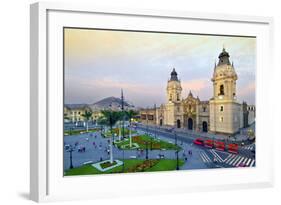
130,135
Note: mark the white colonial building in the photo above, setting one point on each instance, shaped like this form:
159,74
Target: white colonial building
221,114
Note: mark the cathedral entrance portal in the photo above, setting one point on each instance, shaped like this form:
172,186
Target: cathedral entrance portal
178,124
205,126
190,124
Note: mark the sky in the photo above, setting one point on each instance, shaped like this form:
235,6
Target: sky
99,63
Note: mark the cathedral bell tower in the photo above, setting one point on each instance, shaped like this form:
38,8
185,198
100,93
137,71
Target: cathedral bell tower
174,88
173,114
224,110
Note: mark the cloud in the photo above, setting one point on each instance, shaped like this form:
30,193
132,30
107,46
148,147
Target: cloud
99,63
196,85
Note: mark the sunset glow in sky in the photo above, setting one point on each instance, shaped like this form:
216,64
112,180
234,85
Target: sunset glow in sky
99,63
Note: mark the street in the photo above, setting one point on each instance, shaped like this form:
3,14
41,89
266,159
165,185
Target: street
96,148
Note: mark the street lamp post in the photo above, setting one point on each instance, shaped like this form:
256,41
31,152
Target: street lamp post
70,150
146,150
176,138
177,154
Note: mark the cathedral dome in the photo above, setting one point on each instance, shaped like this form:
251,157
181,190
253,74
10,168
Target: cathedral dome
174,75
224,58
224,68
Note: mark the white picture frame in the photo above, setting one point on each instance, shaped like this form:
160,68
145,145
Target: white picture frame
46,178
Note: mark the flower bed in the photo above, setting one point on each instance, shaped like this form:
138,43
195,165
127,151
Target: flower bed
107,164
143,166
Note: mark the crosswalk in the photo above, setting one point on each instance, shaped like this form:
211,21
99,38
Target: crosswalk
249,147
216,155
232,160
205,157
237,160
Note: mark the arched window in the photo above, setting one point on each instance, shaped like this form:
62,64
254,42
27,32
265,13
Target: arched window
178,97
221,90
170,99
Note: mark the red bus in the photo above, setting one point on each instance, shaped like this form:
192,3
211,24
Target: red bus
199,141
219,145
233,148
209,143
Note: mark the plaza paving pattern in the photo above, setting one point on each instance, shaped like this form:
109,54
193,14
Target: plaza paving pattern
201,157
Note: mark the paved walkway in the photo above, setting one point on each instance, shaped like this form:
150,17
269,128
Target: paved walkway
99,151
97,148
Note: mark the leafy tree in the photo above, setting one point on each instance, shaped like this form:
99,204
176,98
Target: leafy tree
130,114
109,118
87,115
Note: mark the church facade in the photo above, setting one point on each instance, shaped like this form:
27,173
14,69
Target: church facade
221,114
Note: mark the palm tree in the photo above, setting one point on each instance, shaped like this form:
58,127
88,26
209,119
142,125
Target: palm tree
110,118
131,114
87,115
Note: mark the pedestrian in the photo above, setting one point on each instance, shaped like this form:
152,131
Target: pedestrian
185,158
215,160
101,159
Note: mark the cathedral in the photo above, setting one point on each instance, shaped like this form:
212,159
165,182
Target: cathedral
221,114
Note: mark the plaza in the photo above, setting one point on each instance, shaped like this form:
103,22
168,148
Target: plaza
159,158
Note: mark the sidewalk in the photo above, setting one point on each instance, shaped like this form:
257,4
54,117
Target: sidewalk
240,137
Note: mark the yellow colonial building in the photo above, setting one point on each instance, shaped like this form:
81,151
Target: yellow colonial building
221,114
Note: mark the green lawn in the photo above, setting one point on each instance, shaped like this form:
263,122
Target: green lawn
129,165
165,165
116,131
78,132
152,143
